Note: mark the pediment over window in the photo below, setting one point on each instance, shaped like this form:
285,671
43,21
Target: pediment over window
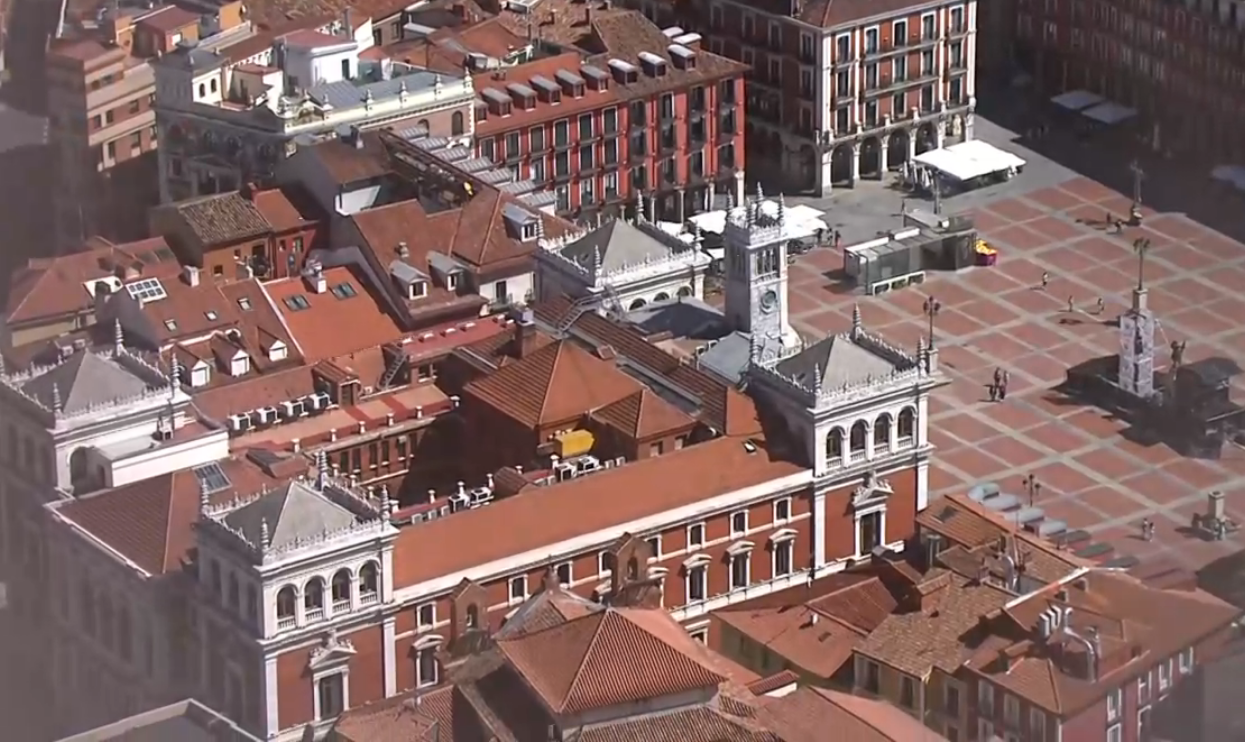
332,651
873,491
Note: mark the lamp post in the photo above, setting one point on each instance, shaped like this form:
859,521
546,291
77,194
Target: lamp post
932,308
1138,175
1033,487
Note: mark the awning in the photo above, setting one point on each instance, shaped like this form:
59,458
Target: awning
969,160
1077,100
987,155
1109,113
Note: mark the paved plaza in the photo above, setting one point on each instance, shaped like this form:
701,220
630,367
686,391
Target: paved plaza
1093,474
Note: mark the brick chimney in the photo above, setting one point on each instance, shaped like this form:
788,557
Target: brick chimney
248,191
524,342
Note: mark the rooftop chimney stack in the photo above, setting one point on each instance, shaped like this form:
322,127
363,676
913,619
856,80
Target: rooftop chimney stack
314,274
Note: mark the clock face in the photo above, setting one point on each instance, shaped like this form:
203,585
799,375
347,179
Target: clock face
769,301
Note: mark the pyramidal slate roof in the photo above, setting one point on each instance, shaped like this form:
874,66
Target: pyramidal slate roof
838,360
83,380
292,512
620,243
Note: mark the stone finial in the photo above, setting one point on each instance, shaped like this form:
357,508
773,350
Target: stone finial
175,373
204,502
118,336
639,207
56,398
386,506
782,208
265,539
322,469
857,325
760,193
817,376
596,260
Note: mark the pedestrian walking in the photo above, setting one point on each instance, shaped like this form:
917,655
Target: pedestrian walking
1003,386
1045,280
838,239
998,375
1071,305
1147,529
994,392
1102,305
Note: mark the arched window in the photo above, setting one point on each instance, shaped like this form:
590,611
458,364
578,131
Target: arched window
685,291
633,569
907,423
286,600
473,616
834,447
637,304
423,124
202,90
313,598
369,581
663,296
79,474
341,589
859,433
213,86
882,431
456,123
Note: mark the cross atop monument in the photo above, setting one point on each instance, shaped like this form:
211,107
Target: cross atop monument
1141,246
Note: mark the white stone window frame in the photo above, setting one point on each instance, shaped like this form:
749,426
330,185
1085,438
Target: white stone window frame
421,645
860,514
690,565
740,549
782,539
332,667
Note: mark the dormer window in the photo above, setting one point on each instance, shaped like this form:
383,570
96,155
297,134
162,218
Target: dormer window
277,351
240,365
524,97
417,290
596,78
624,72
451,281
654,66
497,102
200,375
531,231
548,90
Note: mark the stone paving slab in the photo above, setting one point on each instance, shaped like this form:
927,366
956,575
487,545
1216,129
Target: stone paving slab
1094,475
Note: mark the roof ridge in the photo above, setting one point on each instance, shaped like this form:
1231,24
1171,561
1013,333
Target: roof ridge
557,348
602,617
168,516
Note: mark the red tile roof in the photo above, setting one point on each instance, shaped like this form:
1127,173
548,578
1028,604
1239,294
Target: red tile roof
541,112
332,326
53,287
644,415
574,667
151,522
285,208
807,714
558,383
540,517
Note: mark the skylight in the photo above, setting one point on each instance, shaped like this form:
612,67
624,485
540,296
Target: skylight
211,315
148,289
211,478
170,324
297,303
244,303
344,291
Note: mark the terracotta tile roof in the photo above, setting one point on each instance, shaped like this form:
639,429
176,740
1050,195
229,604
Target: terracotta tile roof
830,14
774,682
559,22
221,218
220,402
543,516
698,724
541,112
558,383
402,718
574,668
626,34
169,19
330,326
53,287
644,415
285,208
447,49
1138,626
807,714
151,522
552,606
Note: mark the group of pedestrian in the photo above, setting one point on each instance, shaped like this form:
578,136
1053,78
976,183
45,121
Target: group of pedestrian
998,388
1147,529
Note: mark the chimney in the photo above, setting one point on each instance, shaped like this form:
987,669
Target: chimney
248,191
191,275
933,545
314,275
348,23
524,334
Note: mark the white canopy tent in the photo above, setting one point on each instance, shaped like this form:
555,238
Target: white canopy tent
1077,100
969,160
1109,113
802,222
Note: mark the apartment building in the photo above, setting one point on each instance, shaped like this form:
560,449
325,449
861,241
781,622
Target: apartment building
228,119
1162,59
101,117
841,91
662,122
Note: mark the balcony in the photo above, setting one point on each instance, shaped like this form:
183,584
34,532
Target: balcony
887,86
368,597
906,46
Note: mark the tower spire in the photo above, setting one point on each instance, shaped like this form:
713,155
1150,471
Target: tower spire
56,398
857,325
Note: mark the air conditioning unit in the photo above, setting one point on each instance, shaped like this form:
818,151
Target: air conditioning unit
564,471
444,510
322,400
480,495
79,344
239,423
292,408
620,461
431,515
265,415
368,390
460,501
586,464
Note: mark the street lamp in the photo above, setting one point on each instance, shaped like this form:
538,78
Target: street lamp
1033,486
1138,176
932,308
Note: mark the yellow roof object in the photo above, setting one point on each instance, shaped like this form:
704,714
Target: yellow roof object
574,443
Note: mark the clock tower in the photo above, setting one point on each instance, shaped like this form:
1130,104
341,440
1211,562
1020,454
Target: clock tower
756,272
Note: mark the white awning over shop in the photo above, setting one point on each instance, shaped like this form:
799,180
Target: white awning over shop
1077,100
969,160
1109,113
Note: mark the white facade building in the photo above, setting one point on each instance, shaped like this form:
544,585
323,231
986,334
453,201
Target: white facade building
223,124
627,264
